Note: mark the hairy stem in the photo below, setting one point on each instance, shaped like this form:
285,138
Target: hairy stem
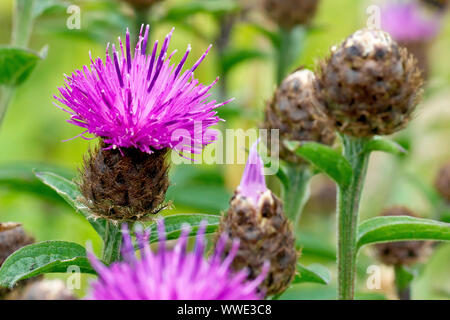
112,243
348,207
296,196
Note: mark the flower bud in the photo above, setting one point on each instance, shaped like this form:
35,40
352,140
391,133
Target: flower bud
369,85
125,184
442,182
293,111
403,252
256,218
289,13
12,238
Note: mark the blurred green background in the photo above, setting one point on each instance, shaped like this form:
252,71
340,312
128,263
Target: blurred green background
32,133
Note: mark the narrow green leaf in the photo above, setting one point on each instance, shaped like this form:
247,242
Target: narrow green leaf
69,191
43,257
19,177
46,6
401,228
403,276
173,225
16,65
273,37
234,57
380,144
326,159
315,273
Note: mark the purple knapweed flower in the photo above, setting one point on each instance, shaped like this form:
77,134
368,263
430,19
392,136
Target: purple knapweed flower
174,274
409,22
141,101
253,183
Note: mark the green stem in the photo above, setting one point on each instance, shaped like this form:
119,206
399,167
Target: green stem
283,55
296,196
112,243
22,23
403,278
348,207
21,31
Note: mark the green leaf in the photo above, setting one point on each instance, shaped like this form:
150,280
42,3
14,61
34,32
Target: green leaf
234,57
69,191
16,65
273,37
315,273
326,159
315,245
389,146
401,228
19,177
45,6
403,276
43,257
173,225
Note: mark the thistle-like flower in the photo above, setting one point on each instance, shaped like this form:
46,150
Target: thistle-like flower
256,218
289,13
369,85
173,274
442,182
140,106
294,113
403,252
413,28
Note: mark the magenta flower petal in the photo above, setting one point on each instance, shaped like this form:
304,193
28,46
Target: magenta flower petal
408,22
141,101
253,183
174,274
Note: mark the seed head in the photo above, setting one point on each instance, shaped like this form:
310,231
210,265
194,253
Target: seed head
293,110
369,85
289,13
402,252
125,184
256,218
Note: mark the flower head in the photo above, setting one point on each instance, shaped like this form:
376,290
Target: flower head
257,219
408,22
141,101
173,274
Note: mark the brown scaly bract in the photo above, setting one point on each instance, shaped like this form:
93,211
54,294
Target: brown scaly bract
265,235
442,182
12,238
403,252
124,187
441,5
369,85
289,13
293,111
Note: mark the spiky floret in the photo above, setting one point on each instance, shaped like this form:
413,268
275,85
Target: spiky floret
442,182
141,101
293,111
413,28
402,252
126,184
289,13
369,85
409,22
257,219
173,274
